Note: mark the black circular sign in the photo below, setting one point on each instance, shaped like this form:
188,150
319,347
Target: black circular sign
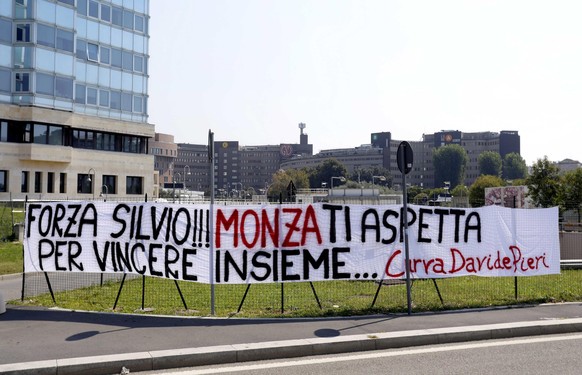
404,157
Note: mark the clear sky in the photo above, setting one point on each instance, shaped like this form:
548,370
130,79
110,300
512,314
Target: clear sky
252,70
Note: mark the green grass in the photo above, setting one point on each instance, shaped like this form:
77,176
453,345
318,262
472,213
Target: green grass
10,257
9,214
337,298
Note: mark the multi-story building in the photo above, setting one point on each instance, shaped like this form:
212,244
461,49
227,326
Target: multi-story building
73,99
193,167
165,153
382,152
239,171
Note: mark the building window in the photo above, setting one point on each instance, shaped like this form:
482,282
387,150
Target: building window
45,84
126,102
138,64
92,52
38,182
81,49
105,13
5,80
22,82
91,96
65,40
104,98
116,15
50,182
79,94
115,100
139,23
104,54
5,31
40,133
62,183
46,35
128,19
93,9
134,185
116,57
25,176
137,104
23,32
3,131
111,183
55,136
84,183
3,181
64,87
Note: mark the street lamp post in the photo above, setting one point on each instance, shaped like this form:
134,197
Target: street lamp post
90,181
185,174
342,179
241,188
106,192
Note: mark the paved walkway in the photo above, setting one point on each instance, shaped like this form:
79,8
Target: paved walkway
39,340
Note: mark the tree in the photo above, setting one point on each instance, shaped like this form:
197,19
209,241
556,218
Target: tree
514,167
449,163
490,163
477,190
543,184
572,191
282,178
325,171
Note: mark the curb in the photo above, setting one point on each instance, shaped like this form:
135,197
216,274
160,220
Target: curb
212,355
10,276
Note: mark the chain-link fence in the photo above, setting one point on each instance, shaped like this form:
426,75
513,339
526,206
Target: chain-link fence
105,292
81,291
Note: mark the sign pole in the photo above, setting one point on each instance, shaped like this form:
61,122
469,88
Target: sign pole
406,247
211,221
404,159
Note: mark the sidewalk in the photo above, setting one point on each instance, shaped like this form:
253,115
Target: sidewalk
42,341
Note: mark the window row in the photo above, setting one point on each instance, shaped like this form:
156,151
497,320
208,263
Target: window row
23,132
115,57
49,36
117,16
62,87
111,99
23,8
57,183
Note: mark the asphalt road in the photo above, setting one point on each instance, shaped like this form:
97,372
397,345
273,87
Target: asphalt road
559,354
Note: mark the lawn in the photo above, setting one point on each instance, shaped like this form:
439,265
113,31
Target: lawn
337,298
10,257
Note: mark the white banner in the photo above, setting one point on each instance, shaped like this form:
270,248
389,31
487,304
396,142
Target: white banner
276,243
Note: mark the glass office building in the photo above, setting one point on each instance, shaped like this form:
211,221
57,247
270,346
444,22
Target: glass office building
73,99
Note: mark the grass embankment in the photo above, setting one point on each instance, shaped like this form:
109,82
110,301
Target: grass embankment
337,298
10,257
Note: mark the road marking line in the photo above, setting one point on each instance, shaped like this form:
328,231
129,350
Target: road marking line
377,354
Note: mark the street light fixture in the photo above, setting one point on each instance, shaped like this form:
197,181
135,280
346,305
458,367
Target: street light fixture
342,179
381,178
90,181
106,192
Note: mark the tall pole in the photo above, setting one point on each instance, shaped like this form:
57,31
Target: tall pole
211,221
406,248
